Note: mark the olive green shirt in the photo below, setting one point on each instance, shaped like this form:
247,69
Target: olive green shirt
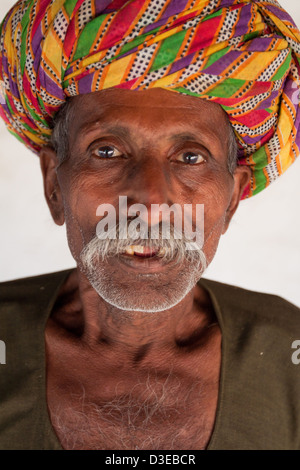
259,392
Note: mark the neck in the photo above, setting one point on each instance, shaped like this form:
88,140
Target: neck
101,322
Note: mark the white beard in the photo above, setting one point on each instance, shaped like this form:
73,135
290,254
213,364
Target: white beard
156,291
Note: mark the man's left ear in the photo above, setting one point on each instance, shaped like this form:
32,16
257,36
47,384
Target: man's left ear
241,178
49,163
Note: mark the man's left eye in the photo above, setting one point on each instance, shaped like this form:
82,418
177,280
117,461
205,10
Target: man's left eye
107,152
191,158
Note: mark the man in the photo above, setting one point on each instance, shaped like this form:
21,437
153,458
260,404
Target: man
127,100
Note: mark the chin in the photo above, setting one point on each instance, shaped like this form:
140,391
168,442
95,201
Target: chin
143,292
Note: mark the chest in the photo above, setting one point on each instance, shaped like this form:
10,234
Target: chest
150,411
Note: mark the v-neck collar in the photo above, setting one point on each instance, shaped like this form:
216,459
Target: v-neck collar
49,430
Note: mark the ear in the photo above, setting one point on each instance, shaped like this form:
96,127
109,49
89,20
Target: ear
241,178
49,163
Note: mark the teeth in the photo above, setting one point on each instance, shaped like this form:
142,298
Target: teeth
138,248
131,249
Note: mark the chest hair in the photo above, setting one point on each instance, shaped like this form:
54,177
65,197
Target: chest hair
153,414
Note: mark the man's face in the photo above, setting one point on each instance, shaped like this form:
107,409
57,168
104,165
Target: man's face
154,147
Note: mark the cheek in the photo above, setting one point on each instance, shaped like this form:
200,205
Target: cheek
212,238
75,236
81,198
214,191
216,200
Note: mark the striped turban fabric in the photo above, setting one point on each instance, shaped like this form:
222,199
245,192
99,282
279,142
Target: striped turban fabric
241,54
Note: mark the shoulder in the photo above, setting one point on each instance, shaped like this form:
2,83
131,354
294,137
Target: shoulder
247,305
28,298
239,294
260,369
25,287
24,308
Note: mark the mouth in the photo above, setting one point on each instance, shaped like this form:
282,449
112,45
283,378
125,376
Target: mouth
144,259
144,251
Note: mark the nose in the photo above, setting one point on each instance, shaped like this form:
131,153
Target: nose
149,186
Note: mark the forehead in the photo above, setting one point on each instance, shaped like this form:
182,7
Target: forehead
159,110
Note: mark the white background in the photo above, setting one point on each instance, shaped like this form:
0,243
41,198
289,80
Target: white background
261,250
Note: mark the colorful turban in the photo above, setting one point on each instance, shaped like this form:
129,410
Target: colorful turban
241,54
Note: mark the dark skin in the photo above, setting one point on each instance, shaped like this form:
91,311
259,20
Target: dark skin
96,354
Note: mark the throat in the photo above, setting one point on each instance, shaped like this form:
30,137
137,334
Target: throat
79,313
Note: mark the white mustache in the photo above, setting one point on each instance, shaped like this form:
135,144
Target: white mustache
174,248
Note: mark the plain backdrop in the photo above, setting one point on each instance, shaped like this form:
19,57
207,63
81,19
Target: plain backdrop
260,251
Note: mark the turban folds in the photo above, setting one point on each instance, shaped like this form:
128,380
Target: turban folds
241,54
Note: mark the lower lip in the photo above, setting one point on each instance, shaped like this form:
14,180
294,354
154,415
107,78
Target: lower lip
143,264
149,254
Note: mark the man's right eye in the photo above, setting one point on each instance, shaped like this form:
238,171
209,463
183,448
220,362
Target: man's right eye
106,152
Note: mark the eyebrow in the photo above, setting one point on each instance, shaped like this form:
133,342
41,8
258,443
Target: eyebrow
183,137
203,139
93,126
124,132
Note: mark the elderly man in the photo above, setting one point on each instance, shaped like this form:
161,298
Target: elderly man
160,104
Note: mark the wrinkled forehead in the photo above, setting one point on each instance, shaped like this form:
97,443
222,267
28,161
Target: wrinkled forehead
155,107
155,97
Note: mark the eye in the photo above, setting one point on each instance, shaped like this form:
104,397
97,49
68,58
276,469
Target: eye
191,158
106,152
